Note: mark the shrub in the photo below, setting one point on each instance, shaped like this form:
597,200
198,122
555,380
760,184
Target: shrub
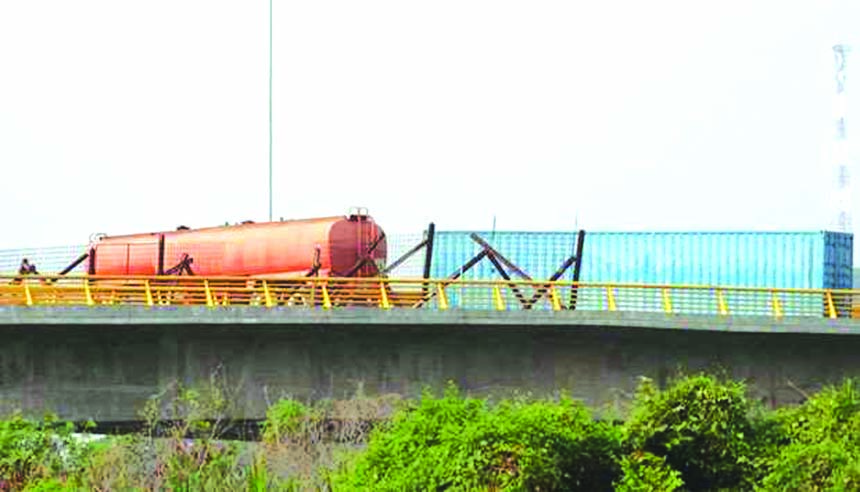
286,418
32,450
645,472
202,465
50,485
768,439
467,444
701,426
821,439
832,413
827,465
121,463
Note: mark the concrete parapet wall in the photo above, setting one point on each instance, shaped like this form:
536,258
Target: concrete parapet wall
105,363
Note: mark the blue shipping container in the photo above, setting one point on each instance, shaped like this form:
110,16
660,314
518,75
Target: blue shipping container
747,259
750,259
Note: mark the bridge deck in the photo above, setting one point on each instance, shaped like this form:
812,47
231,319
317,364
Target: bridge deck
285,317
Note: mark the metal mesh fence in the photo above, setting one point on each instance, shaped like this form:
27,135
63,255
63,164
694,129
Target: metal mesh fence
400,244
51,259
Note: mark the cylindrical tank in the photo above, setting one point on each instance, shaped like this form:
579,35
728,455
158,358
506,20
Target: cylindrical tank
270,249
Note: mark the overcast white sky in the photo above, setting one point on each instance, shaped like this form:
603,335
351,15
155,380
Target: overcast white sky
124,117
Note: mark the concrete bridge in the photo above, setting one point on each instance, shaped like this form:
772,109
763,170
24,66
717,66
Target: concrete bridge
104,362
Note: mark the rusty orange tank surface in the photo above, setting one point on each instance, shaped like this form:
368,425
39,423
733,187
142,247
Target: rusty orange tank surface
271,249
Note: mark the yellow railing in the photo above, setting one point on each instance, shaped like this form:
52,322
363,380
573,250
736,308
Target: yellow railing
436,294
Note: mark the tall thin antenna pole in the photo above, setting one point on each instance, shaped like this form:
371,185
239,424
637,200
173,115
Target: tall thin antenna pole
843,197
493,235
270,110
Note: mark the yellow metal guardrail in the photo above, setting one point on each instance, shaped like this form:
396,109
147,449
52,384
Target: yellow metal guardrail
437,294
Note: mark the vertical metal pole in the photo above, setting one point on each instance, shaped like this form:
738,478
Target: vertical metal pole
270,110
428,257
580,242
843,186
268,295
493,234
443,298
88,293
555,301
667,301
92,266
149,299
160,269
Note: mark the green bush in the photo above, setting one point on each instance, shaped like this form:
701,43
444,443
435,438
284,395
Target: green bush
286,418
467,444
701,426
31,450
699,434
645,472
832,413
768,439
202,465
827,465
821,439
50,485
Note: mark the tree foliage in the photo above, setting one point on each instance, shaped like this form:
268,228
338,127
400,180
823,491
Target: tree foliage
701,425
461,443
645,472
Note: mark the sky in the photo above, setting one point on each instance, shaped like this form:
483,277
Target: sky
122,117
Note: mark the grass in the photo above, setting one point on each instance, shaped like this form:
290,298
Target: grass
301,444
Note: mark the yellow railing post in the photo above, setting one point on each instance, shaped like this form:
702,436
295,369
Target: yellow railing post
777,306
498,301
267,294
383,297
149,300
88,294
326,298
831,308
554,299
610,298
667,302
726,299
443,297
27,293
210,302
721,303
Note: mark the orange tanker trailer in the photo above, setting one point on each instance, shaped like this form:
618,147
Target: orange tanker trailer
332,246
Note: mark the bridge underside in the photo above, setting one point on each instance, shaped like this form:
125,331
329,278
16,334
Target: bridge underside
104,363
